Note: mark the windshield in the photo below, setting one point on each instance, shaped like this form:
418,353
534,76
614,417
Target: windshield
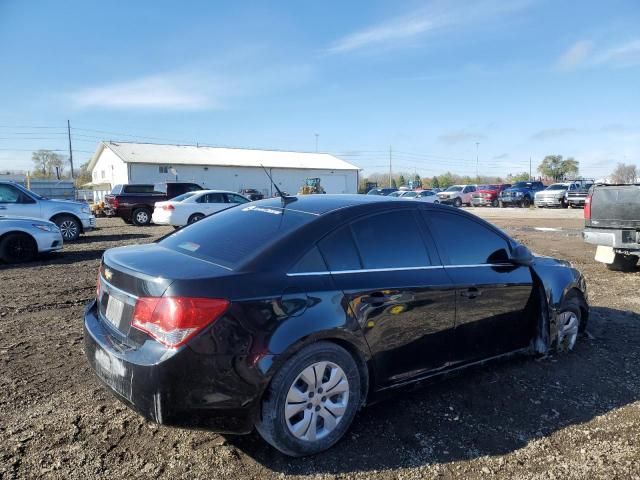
234,236
455,188
522,185
409,194
395,194
182,197
557,186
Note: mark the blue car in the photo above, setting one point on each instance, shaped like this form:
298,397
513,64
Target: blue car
521,194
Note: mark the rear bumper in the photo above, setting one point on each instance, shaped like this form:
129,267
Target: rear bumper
179,388
617,238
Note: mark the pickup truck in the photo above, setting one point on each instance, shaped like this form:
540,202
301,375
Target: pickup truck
72,218
520,194
612,222
134,203
578,196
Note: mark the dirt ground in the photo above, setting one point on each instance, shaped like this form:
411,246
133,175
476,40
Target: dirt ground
570,416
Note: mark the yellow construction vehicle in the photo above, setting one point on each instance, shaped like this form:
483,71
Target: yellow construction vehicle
311,186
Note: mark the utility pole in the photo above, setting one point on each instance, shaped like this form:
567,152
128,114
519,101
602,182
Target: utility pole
389,166
317,135
477,157
70,149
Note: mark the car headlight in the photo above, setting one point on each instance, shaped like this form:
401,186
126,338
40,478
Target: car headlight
518,194
45,227
86,210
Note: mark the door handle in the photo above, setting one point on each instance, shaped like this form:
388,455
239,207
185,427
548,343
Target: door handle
471,293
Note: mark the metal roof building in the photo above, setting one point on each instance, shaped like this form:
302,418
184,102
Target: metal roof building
221,168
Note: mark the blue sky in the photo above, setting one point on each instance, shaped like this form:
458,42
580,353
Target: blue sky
523,78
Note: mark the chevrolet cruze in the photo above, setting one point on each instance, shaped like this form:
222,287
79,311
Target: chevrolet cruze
288,315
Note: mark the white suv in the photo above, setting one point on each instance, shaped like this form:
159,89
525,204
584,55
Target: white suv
457,195
72,218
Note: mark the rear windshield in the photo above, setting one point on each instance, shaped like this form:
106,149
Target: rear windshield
557,186
138,189
182,197
234,236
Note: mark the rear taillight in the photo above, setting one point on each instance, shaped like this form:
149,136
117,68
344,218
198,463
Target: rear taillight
168,207
174,320
587,208
115,203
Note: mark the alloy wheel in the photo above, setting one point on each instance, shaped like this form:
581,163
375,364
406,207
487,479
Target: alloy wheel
21,248
568,326
68,229
142,217
317,400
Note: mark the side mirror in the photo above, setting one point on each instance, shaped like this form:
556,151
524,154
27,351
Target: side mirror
521,255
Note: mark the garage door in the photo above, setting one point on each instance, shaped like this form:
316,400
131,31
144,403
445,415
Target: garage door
334,183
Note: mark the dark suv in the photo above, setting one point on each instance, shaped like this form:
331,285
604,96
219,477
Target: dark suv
252,194
134,203
520,194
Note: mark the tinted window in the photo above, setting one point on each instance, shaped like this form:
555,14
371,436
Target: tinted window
339,251
212,198
467,242
381,245
311,262
233,198
9,194
138,189
235,235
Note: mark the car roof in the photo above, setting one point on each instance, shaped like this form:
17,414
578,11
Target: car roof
325,203
211,191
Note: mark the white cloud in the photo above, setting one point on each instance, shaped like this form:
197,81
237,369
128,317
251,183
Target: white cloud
575,55
584,54
626,55
163,92
437,15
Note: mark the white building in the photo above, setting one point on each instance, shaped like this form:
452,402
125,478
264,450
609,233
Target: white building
232,169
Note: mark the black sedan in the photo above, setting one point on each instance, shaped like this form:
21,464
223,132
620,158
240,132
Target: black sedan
291,314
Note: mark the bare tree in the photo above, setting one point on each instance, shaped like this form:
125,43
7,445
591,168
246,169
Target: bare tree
47,164
624,173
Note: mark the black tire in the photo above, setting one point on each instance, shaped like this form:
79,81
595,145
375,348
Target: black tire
436,201
69,226
18,248
141,217
494,202
272,424
457,202
623,263
526,202
564,204
573,304
196,217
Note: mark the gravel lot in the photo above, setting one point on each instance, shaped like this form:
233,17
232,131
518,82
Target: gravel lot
571,416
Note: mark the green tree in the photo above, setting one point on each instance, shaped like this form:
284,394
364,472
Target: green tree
401,180
394,184
446,180
435,183
517,177
557,168
83,175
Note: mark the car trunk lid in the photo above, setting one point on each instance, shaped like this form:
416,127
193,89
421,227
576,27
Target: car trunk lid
129,273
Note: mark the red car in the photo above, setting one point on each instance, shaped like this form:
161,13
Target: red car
486,195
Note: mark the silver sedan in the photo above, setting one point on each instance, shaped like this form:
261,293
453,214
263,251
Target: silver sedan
23,238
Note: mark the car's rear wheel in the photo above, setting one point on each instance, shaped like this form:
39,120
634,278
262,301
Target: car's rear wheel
196,217
141,217
69,227
494,202
457,202
311,401
623,263
570,323
526,203
18,248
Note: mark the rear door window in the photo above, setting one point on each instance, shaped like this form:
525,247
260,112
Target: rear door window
390,240
465,241
339,250
212,198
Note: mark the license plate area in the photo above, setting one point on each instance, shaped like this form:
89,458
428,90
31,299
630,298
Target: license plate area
116,308
114,312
